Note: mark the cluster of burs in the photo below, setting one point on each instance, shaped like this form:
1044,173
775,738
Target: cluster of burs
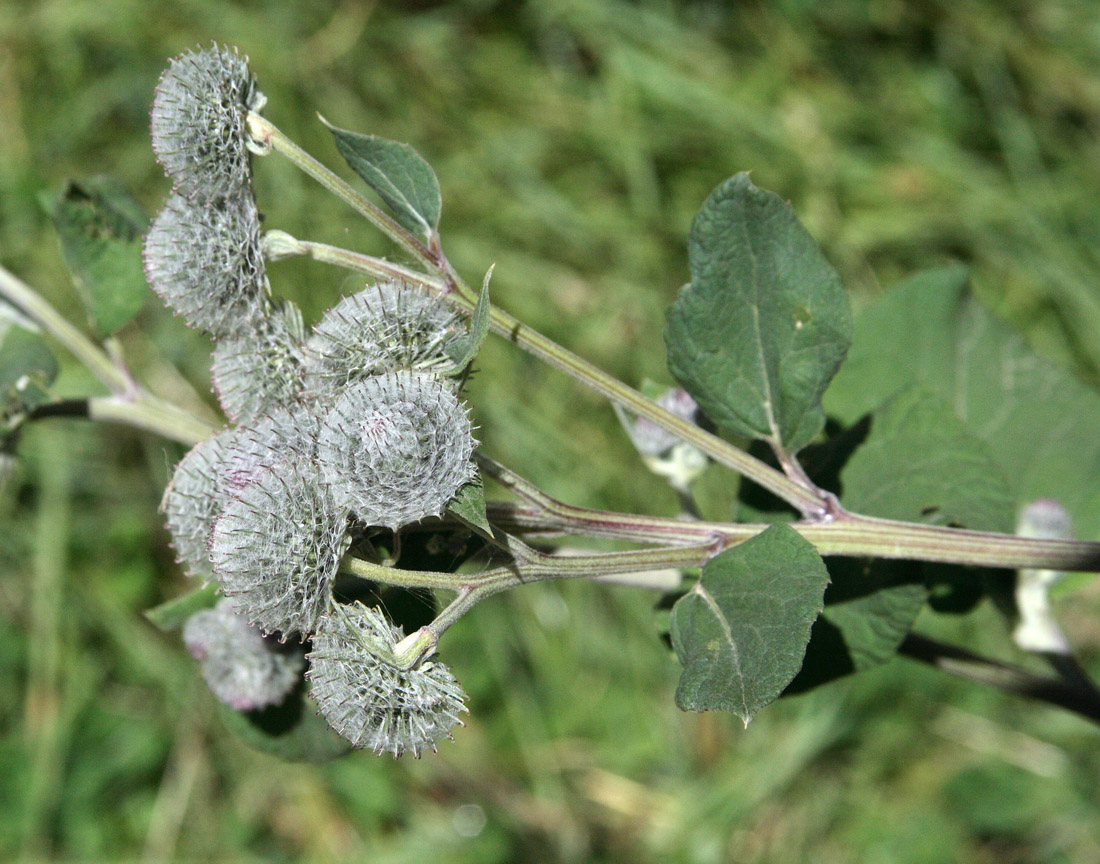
353,427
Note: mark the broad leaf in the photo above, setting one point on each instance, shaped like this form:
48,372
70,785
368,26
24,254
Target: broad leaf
920,464
27,368
400,175
764,324
1037,420
101,227
741,632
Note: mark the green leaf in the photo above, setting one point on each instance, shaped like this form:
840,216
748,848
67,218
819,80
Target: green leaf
464,350
468,505
27,367
1039,423
919,463
291,730
101,228
741,632
173,614
764,324
400,175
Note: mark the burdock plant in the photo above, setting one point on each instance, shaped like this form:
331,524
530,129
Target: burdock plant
349,441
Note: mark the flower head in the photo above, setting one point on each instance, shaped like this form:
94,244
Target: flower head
387,327
241,667
277,545
199,122
261,369
368,699
396,448
203,258
193,501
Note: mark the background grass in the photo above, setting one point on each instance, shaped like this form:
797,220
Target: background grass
573,141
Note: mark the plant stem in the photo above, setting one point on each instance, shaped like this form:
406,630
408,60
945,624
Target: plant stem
30,303
265,133
853,536
367,264
151,414
958,661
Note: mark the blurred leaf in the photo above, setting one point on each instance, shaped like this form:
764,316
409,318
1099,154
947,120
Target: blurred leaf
464,350
741,632
27,368
101,227
1040,424
761,329
172,614
292,730
400,175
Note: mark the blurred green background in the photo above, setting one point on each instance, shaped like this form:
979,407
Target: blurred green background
573,141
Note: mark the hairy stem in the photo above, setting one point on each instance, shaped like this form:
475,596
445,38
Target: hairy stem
853,536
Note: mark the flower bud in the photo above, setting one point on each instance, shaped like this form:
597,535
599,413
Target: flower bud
369,700
387,327
193,501
203,259
257,371
277,545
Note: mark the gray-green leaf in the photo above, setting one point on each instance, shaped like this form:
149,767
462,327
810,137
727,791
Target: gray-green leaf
101,226
400,175
741,632
764,324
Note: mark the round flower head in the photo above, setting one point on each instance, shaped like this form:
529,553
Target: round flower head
192,502
281,433
199,122
396,448
277,546
259,370
203,259
370,701
242,668
387,327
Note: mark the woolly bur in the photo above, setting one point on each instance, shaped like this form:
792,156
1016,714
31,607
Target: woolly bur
387,327
203,259
241,667
367,698
199,122
396,448
277,546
